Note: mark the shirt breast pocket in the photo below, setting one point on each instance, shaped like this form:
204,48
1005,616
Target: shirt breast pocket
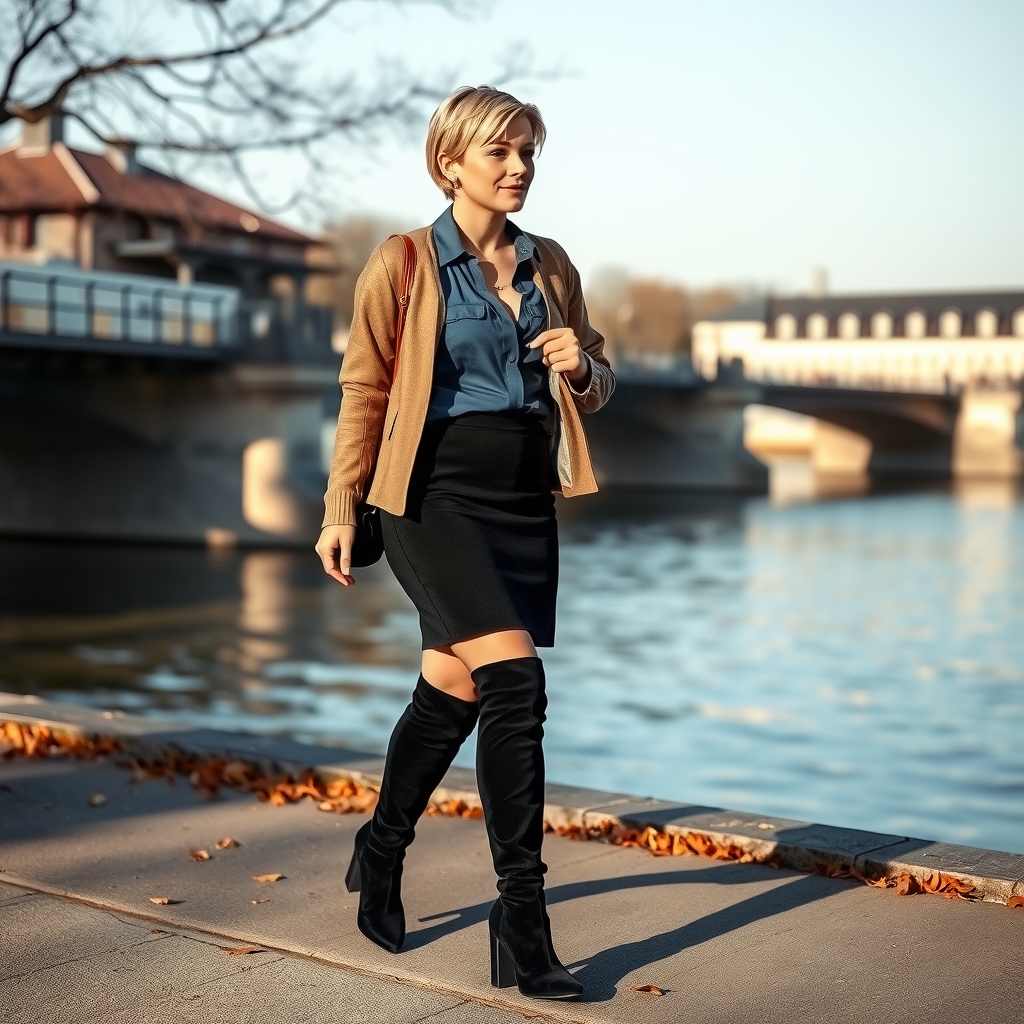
465,327
465,311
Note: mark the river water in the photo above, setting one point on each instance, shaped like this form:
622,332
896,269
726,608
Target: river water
857,661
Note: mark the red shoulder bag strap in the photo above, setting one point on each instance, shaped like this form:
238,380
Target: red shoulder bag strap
408,273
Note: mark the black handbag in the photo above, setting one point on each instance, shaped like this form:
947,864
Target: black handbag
368,546
369,543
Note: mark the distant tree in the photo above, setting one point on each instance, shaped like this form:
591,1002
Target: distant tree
347,247
644,316
230,84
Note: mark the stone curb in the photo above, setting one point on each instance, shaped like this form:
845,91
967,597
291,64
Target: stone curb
799,845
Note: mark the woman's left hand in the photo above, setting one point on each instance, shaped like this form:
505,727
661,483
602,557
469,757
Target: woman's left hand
562,353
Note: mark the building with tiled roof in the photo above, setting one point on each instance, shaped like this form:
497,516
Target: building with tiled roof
109,212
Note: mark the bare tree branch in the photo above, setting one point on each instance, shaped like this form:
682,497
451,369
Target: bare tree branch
231,86
28,46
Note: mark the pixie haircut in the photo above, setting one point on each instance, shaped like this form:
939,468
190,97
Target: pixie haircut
470,114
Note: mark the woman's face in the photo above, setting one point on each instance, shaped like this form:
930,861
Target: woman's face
497,175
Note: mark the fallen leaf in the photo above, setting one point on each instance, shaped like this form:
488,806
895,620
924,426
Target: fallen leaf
1016,902
236,773
907,885
162,901
267,878
454,808
256,902
97,799
652,989
198,855
227,844
158,931
242,951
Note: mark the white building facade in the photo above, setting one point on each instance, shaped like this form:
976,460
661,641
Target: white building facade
916,343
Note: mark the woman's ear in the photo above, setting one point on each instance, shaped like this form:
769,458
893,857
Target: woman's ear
449,167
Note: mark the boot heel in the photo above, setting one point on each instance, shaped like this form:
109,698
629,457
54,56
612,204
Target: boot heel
352,879
503,974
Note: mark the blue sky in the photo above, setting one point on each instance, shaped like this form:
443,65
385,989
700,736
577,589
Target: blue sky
734,140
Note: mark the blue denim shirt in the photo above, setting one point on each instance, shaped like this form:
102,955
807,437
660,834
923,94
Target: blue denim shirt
483,363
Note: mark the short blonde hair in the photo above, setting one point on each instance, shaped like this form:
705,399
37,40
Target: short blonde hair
469,114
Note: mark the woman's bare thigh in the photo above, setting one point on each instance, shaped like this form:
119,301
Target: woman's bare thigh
449,668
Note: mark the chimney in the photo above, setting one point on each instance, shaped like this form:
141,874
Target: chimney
36,139
818,283
121,155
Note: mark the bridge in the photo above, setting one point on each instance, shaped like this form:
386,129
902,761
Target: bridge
135,407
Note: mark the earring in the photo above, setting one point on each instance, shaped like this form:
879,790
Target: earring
455,181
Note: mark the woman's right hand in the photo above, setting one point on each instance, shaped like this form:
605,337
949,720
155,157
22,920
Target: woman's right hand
335,550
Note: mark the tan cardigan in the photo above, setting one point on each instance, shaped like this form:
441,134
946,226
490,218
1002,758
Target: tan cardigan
380,424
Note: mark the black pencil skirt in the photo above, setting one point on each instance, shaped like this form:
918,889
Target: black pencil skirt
477,548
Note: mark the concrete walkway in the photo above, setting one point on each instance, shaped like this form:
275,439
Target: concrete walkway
66,962
727,942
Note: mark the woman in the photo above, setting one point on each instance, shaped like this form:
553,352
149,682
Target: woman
460,446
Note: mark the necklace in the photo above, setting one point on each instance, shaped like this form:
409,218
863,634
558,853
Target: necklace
480,258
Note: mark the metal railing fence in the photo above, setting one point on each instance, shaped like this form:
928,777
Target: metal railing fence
106,307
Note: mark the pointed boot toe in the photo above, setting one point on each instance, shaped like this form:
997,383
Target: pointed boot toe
381,916
556,984
386,930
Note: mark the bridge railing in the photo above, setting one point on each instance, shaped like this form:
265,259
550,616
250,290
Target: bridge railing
106,308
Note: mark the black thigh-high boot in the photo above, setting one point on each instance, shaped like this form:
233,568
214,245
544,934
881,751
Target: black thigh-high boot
510,774
422,747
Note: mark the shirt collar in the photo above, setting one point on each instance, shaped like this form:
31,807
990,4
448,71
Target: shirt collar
449,246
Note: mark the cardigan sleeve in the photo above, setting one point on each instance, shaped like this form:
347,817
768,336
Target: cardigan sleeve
602,379
366,373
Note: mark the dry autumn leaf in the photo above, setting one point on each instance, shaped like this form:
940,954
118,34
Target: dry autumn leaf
242,951
652,989
1015,902
257,902
97,799
267,878
162,901
198,855
907,885
454,808
227,843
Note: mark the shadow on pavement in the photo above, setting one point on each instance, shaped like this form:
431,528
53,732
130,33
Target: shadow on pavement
602,972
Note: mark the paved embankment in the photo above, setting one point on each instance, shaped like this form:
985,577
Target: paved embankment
66,962
727,941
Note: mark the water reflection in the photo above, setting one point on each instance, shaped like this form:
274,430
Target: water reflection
858,660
